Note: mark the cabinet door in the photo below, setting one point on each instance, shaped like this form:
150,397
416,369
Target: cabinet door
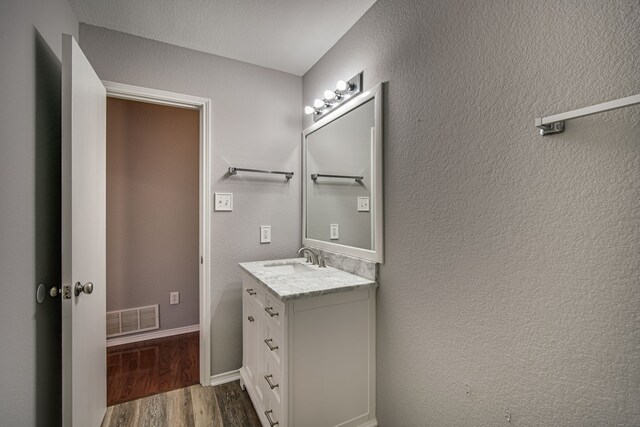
250,340
258,345
331,357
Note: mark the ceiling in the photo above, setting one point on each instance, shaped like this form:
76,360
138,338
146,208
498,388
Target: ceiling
286,35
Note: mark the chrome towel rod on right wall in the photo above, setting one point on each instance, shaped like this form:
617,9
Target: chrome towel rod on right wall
555,124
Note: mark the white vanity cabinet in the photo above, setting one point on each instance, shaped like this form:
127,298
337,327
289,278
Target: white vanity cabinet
309,361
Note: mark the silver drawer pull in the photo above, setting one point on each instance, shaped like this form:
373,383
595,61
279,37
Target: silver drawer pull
268,342
271,422
251,319
272,385
270,311
251,292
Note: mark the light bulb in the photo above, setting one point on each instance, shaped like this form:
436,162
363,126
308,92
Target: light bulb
318,103
342,85
309,110
329,95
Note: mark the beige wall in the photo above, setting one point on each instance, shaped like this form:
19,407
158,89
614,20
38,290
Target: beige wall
153,209
509,293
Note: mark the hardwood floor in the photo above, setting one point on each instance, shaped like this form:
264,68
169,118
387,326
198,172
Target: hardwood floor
225,405
149,367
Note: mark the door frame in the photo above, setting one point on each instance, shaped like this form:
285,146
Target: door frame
203,105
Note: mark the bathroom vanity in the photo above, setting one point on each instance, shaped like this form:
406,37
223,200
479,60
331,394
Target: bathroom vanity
308,344
308,331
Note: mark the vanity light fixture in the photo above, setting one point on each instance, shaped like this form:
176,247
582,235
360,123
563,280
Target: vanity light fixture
319,104
344,87
330,95
332,98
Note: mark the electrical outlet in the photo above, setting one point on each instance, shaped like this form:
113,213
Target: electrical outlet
334,231
174,298
265,234
223,202
363,204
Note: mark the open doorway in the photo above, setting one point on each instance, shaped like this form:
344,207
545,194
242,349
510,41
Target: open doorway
157,334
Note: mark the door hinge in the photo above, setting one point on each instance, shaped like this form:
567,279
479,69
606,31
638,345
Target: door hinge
201,260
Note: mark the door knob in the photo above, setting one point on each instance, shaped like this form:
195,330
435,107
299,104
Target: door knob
87,288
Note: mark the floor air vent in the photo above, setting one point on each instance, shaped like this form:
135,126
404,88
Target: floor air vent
132,320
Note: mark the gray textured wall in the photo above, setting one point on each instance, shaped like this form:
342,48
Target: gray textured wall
510,287
30,84
255,124
152,209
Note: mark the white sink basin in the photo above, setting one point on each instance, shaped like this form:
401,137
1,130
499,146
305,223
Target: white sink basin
287,268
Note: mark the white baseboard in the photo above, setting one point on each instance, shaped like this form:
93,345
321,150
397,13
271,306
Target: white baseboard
152,335
225,377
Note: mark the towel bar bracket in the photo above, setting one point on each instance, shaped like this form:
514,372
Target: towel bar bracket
551,128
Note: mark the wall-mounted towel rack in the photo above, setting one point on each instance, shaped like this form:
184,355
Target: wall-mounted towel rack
315,176
555,123
234,171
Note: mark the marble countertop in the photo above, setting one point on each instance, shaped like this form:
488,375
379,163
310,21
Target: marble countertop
316,281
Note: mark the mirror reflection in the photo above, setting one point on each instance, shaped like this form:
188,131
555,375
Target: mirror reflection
340,197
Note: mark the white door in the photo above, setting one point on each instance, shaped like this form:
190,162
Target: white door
83,240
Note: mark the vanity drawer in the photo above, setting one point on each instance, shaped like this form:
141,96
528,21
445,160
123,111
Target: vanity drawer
272,378
273,340
273,412
253,290
274,309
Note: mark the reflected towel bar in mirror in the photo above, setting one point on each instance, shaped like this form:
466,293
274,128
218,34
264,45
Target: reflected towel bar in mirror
315,176
234,171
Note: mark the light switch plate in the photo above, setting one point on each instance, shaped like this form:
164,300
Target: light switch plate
363,204
265,234
174,298
335,232
223,202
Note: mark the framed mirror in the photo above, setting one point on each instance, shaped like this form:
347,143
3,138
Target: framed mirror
342,208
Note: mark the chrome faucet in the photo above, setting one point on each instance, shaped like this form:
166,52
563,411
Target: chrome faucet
311,256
